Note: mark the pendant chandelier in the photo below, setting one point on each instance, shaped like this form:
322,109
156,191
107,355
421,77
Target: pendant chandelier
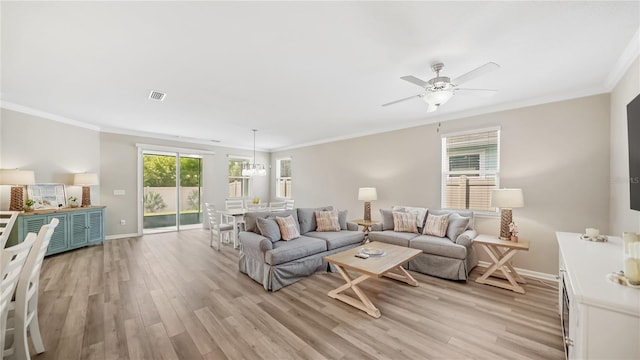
254,169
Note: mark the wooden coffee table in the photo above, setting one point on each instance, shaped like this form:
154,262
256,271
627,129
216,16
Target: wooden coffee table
388,265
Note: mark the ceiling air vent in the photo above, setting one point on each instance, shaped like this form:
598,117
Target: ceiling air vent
157,95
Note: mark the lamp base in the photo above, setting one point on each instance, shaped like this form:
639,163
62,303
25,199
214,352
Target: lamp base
367,210
86,196
17,199
505,220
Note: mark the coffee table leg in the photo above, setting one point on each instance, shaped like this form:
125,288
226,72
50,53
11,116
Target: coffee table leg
403,276
363,303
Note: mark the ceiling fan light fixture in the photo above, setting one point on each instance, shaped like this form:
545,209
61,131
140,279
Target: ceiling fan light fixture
437,98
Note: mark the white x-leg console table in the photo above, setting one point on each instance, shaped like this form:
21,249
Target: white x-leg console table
500,252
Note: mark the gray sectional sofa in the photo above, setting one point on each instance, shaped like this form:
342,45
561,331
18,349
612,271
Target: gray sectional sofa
276,263
450,257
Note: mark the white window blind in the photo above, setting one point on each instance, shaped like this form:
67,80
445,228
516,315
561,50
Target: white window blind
283,178
470,169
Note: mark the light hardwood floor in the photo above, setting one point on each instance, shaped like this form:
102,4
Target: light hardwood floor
171,296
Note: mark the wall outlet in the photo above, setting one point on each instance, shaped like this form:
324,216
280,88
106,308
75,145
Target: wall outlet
123,222
118,192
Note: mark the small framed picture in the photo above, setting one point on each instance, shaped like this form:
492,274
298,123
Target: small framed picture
47,196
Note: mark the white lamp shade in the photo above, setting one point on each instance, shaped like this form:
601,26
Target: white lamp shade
507,198
17,177
86,179
367,194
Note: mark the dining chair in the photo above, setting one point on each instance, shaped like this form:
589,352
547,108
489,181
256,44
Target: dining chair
7,219
234,204
277,206
12,261
289,204
24,309
220,230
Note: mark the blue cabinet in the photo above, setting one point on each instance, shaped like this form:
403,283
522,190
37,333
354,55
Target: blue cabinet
77,227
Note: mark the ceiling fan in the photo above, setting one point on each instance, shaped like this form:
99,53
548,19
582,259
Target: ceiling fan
441,88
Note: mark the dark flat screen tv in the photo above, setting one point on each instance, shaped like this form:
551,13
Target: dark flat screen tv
633,123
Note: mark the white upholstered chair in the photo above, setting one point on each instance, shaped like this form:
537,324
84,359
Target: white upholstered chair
12,261
216,229
23,311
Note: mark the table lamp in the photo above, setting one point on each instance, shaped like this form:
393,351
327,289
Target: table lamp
17,179
367,194
85,180
506,199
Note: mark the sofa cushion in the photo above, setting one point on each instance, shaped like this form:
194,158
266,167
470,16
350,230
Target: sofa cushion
457,225
338,239
342,219
404,222
250,218
436,225
269,228
327,221
465,213
392,237
387,219
438,246
307,218
419,212
288,227
285,251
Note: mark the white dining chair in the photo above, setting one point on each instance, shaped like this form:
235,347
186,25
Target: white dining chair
216,229
12,261
7,219
23,311
278,206
234,204
289,204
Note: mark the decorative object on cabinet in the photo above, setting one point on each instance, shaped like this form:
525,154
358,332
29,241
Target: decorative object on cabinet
86,180
367,194
506,199
78,227
17,179
29,204
47,196
73,202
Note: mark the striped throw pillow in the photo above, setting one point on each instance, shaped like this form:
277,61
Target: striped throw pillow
288,227
327,221
436,225
404,222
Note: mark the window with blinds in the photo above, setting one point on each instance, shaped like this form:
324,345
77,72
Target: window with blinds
470,169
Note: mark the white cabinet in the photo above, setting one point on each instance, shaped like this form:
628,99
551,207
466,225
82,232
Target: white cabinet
601,319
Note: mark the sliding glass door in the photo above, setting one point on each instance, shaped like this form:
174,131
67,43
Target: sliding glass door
172,188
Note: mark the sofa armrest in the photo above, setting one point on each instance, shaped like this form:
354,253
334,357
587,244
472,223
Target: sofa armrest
352,226
466,238
376,227
254,245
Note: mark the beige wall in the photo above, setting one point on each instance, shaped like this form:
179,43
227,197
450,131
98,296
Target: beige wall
621,217
52,149
558,153
119,164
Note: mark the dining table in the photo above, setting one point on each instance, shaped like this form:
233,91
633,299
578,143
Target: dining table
237,217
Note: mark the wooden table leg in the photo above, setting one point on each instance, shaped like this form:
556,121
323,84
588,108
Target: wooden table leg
401,275
363,303
500,261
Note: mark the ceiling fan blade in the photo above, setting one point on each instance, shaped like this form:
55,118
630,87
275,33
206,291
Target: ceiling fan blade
476,92
414,80
484,69
401,100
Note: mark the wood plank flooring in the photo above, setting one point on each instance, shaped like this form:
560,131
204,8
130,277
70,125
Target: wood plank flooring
171,296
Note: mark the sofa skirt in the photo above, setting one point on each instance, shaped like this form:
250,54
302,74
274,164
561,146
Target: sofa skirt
444,267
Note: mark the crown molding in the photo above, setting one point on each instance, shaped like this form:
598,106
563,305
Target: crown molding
46,115
628,56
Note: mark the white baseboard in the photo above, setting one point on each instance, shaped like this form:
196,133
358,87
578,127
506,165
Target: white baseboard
120,236
527,273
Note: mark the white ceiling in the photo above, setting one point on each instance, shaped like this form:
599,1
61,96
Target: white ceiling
300,72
